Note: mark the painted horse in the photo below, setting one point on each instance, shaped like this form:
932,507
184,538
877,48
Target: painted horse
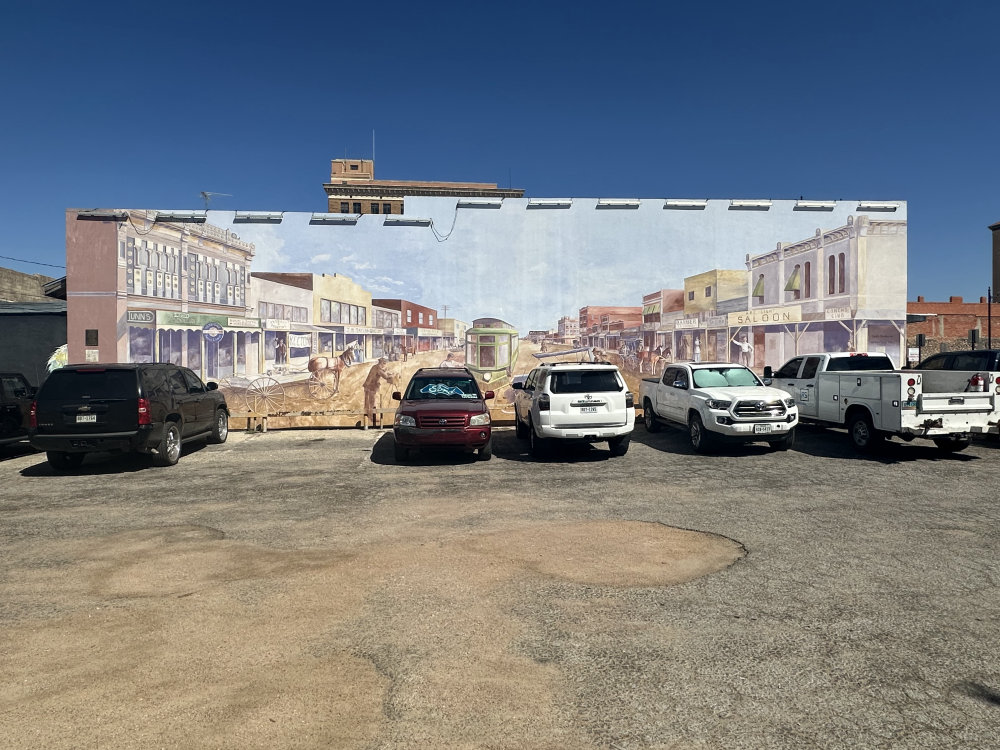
326,369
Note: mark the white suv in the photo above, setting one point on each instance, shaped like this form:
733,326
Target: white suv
584,402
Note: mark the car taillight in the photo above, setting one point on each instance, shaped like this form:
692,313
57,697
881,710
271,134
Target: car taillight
911,382
33,415
629,400
543,402
144,416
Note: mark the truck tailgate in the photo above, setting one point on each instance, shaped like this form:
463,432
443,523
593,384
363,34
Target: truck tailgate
954,403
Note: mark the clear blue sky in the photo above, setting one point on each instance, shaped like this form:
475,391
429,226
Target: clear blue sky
146,105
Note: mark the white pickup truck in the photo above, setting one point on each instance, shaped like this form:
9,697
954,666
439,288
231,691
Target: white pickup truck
863,393
716,402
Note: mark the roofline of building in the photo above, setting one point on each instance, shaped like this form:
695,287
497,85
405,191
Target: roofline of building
404,190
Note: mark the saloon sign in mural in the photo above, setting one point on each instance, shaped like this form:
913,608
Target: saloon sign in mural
318,317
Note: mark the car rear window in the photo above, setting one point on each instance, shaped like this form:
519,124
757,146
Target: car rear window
90,384
427,388
584,381
848,364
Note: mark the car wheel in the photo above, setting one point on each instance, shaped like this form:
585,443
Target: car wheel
62,461
538,445
520,428
619,445
649,417
486,452
220,428
401,452
951,445
169,450
701,439
785,443
862,432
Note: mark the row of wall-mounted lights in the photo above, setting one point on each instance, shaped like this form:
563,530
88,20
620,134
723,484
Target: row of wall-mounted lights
275,217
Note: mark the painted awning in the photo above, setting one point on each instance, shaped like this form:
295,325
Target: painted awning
793,281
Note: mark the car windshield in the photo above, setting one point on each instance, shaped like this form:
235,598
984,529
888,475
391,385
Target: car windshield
94,384
715,377
584,381
428,388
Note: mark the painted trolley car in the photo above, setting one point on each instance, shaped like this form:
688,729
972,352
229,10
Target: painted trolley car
491,350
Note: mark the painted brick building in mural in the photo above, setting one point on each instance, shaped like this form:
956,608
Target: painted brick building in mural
143,288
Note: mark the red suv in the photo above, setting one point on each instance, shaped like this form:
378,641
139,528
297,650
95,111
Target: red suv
442,406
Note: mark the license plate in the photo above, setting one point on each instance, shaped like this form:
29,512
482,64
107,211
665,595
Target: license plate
589,409
86,418
760,429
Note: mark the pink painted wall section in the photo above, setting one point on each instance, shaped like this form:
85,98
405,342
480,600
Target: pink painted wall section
93,276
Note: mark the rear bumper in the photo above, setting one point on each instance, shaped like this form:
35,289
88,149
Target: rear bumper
583,433
459,437
135,441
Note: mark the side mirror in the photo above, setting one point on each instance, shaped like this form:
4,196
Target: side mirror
517,386
680,384
768,373
489,395
397,396
212,385
768,381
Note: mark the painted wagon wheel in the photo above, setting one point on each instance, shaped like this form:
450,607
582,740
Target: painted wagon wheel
322,384
265,396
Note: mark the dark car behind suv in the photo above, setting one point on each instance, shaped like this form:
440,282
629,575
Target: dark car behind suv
977,359
442,406
134,408
15,403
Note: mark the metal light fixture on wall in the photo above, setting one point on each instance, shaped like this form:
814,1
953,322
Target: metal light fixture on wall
257,217
323,218
103,213
686,204
196,217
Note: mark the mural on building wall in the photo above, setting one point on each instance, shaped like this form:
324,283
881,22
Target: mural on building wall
319,317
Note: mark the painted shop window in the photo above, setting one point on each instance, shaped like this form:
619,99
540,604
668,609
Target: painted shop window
842,276
831,275
807,280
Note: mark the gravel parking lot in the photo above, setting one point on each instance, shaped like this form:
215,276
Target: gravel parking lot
300,589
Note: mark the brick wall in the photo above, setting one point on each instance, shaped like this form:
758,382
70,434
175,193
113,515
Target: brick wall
948,323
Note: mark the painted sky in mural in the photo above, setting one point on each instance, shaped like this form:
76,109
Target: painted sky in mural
532,266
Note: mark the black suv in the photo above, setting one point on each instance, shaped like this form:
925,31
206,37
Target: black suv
135,408
15,403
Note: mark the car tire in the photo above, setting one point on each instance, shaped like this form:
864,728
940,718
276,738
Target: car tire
701,439
401,452
649,417
951,445
539,446
220,427
864,437
619,445
486,452
785,443
520,429
168,452
62,461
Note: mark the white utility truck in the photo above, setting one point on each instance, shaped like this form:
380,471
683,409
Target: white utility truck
864,393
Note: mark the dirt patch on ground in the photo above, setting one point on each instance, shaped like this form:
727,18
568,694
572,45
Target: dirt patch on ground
178,636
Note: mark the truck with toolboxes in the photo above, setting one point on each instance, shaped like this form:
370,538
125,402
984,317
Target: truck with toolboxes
865,394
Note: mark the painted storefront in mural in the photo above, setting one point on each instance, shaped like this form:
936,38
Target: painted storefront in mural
292,312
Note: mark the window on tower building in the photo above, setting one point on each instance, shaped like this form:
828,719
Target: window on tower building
345,207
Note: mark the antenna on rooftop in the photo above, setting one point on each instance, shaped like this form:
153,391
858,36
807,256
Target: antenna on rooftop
207,196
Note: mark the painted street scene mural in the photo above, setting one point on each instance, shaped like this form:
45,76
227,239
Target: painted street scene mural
316,319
